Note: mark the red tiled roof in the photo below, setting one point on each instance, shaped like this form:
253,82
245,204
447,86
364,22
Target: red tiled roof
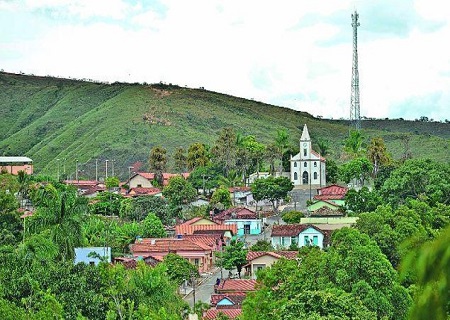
290,230
236,297
140,191
210,240
252,255
131,263
26,214
194,220
236,213
148,246
86,183
236,285
318,155
239,189
166,176
213,313
331,192
190,229
326,212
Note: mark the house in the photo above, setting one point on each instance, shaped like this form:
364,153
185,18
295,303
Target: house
332,193
200,225
145,179
241,195
227,300
258,260
247,221
141,191
325,208
257,175
92,255
297,234
13,165
87,187
214,313
307,166
235,285
197,251
131,262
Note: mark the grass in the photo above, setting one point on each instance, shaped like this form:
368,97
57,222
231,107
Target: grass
50,118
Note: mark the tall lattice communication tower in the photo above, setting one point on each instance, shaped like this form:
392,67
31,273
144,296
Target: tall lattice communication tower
355,116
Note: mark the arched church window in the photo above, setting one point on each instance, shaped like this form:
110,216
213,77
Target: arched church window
305,164
295,176
315,175
305,152
305,177
315,164
295,164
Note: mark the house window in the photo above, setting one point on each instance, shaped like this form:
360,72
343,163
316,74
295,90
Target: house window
306,241
282,241
315,164
316,240
315,175
246,229
305,152
305,164
294,240
295,176
196,262
295,164
139,186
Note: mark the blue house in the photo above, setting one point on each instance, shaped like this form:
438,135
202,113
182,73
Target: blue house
301,235
92,255
247,221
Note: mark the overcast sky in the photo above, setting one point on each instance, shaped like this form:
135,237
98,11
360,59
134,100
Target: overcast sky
295,54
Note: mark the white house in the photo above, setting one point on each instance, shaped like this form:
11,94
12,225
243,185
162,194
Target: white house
92,255
299,234
307,166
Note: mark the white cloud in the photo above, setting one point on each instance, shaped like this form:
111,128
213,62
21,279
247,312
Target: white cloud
257,50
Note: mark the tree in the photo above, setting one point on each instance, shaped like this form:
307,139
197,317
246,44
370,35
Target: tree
234,256
362,200
179,191
152,227
180,160
324,146
331,171
262,245
281,142
377,154
292,217
224,150
158,162
179,269
418,179
112,182
354,144
197,156
358,168
223,196
205,178
270,155
138,208
254,152
272,189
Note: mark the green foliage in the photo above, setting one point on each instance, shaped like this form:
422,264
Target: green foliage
107,204
152,227
362,200
158,163
292,217
418,179
262,245
179,269
358,168
331,171
354,144
197,156
225,151
179,191
234,256
223,196
272,189
112,182
205,177
431,263
377,154
137,208
180,158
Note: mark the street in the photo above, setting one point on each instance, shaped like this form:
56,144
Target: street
204,290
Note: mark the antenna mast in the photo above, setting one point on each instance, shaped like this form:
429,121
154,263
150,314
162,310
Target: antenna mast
355,116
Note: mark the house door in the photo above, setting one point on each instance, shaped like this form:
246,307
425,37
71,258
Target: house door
305,177
246,229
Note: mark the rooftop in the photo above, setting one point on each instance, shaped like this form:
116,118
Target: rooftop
213,313
252,255
290,230
14,159
236,297
236,285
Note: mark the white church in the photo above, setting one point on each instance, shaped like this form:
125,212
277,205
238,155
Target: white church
307,166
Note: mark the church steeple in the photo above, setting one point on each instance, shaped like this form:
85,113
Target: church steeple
305,134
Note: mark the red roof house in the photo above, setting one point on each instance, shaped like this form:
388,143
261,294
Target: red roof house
331,192
214,313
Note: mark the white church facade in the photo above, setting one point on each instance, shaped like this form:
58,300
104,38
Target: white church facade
307,166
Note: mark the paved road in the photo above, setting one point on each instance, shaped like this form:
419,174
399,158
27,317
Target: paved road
204,290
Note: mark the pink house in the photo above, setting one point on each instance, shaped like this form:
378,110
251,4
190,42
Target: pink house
15,164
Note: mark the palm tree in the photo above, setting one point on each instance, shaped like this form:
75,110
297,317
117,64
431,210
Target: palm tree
281,142
158,162
377,154
324,146
60,212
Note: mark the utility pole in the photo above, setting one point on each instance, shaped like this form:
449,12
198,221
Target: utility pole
112,167
57,160
96,169
355,116
129,174
76,170
106,170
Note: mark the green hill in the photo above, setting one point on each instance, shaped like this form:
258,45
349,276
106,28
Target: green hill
49,118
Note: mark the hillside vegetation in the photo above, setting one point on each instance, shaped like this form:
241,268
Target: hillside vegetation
50,118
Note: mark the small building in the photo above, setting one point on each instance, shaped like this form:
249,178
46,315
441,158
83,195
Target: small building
285,235
247,221
307,166
235,285
325,208
227,300
332,193
257,175
258,260
13,165
214,313
93,255
138,191
241,195
145,179
201,225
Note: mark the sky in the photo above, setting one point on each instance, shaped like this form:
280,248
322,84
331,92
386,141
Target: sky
294,54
